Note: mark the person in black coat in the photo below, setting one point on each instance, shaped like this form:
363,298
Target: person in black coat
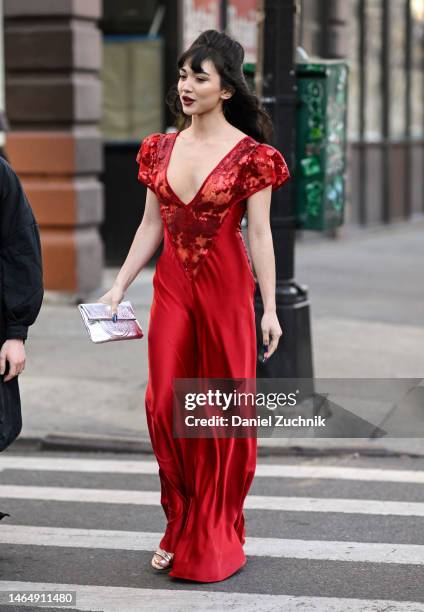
21,291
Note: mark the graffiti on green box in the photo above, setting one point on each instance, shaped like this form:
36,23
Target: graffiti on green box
321,149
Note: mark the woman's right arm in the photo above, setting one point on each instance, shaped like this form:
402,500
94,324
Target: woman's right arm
144,245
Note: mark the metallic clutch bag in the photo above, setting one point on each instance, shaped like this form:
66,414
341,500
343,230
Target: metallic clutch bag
98,322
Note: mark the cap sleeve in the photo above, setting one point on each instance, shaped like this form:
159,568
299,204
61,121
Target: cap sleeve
267,167
146,159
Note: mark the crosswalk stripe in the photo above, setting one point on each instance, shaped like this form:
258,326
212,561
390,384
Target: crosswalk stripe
350,506
252,502
324,550
62,464
111,599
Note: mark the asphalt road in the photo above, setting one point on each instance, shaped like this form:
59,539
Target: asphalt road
323,534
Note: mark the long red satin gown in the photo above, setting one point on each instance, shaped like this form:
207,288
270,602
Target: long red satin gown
202,324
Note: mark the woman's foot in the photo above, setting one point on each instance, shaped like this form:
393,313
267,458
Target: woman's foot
162,559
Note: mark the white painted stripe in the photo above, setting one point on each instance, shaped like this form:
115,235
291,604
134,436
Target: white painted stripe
62,464
253,502
324,550
98,496
111,599
350,506
331,472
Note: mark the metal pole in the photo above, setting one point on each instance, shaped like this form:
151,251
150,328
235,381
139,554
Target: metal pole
2,96
223,15
362,147
385,114
409,175
293,357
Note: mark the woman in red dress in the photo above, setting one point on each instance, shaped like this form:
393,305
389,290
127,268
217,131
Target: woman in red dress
201,179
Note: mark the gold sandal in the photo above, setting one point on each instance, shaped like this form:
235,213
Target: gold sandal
166,557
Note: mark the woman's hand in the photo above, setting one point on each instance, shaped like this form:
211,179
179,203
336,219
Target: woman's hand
113,297
271,330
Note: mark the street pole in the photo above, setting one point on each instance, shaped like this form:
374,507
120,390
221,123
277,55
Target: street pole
293,357
223,15
2,96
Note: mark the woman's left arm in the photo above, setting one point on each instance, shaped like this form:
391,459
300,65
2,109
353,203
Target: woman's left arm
263,259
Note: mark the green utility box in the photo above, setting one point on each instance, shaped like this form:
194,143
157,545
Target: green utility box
321,139
249,74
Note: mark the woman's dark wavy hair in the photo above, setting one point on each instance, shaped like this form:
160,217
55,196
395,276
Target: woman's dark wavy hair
243,108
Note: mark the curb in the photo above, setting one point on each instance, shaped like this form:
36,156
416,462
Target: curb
141,445
83,443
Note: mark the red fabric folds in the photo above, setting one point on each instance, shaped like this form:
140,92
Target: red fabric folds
202,324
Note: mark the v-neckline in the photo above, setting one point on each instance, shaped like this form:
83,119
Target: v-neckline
214,169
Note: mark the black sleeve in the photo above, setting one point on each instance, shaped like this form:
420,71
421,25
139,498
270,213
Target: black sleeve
20,257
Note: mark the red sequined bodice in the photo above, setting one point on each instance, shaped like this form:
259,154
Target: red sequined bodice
249,167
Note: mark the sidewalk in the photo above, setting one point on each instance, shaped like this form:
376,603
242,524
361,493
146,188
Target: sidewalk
367,309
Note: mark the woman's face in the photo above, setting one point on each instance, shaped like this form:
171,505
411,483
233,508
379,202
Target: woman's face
200,92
